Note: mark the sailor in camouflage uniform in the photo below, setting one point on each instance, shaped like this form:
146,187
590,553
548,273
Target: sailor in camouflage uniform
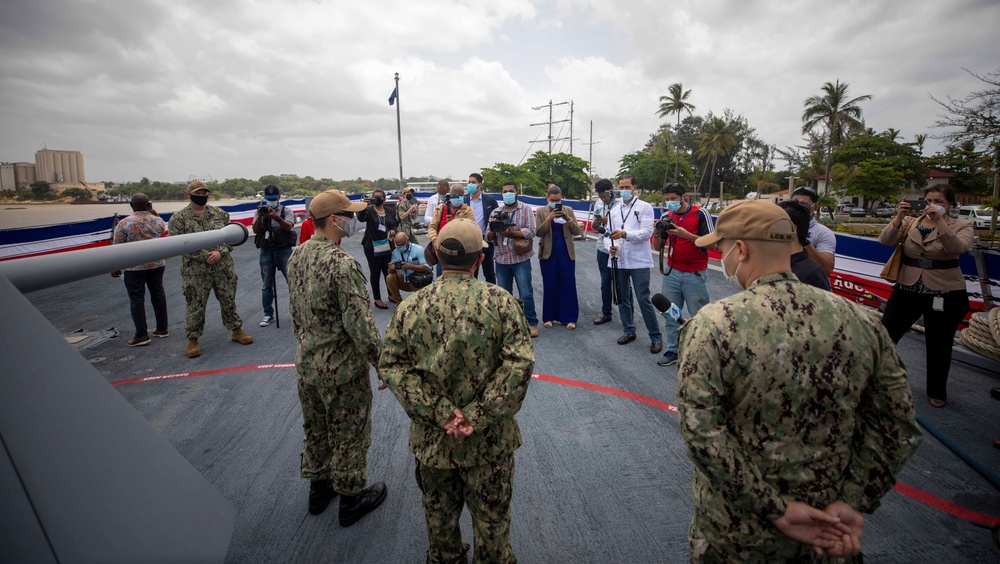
458,357
206,270
793,404
337,342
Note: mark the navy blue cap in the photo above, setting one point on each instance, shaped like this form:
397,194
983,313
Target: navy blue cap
272,192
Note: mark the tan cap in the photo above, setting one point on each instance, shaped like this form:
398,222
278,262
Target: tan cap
331,202
468,235
750,220
198,186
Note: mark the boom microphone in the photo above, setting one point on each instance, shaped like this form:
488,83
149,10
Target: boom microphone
663,304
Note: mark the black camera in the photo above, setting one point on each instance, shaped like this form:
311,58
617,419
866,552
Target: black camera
264,210
663,225
499,221
398,264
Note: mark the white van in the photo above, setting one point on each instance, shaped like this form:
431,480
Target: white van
979,216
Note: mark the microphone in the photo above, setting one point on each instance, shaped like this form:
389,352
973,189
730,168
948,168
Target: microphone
662,303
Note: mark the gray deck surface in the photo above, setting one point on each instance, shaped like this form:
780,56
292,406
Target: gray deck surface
600,478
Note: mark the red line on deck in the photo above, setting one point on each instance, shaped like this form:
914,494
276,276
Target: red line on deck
901,488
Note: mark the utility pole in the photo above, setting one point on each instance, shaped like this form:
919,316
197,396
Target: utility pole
590,159
550,139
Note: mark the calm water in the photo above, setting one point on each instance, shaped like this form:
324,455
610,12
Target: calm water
33,215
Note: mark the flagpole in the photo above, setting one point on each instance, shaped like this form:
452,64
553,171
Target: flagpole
399,136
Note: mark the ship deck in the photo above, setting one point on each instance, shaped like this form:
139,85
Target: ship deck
602,476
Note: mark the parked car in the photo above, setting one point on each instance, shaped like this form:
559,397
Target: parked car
884,212
981,217
856,212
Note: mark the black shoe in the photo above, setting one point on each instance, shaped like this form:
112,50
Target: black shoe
320,495
354,507
602,320
995,393
656,346
626,339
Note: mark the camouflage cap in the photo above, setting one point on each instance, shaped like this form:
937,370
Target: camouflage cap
332,202
198,186
750,220
465,233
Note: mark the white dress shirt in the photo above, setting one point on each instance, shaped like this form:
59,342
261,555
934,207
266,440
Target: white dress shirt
432,203
636,219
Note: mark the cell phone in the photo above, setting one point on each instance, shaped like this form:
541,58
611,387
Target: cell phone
558,207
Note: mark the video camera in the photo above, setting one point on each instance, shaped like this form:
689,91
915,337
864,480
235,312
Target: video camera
500,221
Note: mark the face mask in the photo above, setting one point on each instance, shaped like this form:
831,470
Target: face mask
672,206
940,209
471,188
272,203
350,226
409,196
733,280
199,200
457,201
509,198
377,201
626,195
552,205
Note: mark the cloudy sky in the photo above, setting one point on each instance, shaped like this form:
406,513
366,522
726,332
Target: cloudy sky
237,88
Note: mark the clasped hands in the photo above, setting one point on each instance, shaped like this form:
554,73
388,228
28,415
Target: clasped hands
834,531
458,426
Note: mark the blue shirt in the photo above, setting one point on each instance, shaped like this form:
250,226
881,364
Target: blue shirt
413,254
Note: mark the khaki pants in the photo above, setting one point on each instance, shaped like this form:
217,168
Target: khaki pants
395,283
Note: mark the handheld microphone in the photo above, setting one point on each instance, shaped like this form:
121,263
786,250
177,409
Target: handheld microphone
663,304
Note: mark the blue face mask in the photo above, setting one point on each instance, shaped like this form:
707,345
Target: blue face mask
471,188
457,201
509,198
626,195
672,206
552,205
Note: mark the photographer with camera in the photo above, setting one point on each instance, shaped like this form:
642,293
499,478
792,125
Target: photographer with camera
606,201
686,281
631,226
512,227
273,235
408,270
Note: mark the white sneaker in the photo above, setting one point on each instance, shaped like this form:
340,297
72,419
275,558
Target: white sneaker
266,321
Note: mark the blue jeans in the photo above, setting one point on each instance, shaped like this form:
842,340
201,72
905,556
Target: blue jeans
267,273
689,290
639,278
507,274
602,264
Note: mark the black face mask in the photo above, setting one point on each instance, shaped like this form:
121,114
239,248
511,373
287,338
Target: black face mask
377,201
199,200
409,196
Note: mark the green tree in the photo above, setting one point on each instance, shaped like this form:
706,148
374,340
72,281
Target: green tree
528,182
675,104
838,114
79,194
875,181
567,171
716,139
880,149
918,142
967,164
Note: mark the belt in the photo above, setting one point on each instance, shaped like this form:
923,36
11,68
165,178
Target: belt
928,264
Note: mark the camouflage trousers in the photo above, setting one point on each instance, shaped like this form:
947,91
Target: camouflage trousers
486,490
338,431
196,287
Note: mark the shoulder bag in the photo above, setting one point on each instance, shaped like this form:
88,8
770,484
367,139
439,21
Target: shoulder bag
522,246
890,271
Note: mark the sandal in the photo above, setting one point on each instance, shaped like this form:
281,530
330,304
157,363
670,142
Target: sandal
571,325
548,324
380,304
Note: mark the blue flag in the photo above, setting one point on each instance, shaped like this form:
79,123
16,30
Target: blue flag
392,97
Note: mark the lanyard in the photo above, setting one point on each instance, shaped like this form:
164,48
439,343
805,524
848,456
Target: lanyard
625,212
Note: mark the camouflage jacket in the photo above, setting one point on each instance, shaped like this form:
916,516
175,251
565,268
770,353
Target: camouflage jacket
331,316
788,393
459,343
186,221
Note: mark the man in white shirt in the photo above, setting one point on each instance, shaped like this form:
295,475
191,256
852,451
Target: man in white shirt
440,198
822,246
631,225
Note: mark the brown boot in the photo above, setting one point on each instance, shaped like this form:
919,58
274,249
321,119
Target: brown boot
193,350
240,337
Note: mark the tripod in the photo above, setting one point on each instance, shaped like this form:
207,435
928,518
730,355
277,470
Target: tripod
616,290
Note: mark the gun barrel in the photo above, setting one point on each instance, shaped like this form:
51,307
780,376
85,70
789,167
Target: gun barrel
37,273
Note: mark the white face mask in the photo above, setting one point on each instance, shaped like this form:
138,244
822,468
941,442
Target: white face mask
733,280
350,226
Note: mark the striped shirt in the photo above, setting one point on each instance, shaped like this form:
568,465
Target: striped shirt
522,218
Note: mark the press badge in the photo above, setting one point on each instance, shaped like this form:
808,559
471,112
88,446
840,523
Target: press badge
938,303
381,227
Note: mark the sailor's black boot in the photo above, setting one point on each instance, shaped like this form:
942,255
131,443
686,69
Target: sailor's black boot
354,507
320,494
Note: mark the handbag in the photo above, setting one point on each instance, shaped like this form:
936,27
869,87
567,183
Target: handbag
522,246
382,248
890,271
420,279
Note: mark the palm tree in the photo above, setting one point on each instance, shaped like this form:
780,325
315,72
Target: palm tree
714,140
918,141
675,104
839,115
892,134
